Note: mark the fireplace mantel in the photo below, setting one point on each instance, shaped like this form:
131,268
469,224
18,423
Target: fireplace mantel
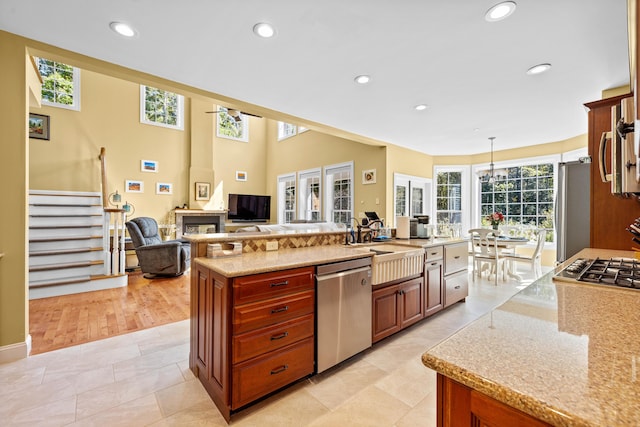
199,217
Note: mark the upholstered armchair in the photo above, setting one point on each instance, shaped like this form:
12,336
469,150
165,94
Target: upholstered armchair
157,258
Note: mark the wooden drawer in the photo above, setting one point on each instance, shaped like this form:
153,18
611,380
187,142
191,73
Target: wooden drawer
264,313
456,257
456,287
434,253
268,285
258,377
264,340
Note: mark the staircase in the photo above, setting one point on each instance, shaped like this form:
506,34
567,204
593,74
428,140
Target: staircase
69,244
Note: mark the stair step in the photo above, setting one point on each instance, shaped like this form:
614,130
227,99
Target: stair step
63,215
57,227
64,251
62,238
57,282
63,266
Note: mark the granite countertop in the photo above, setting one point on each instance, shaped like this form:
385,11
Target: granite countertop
566,353
427,243
262,262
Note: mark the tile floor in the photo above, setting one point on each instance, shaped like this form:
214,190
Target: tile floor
143,379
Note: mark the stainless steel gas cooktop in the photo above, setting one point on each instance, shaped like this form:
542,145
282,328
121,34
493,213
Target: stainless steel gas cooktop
622,272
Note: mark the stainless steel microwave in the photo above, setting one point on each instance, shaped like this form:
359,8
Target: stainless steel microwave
623,170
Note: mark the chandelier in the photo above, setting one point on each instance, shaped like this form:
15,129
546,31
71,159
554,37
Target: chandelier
492,175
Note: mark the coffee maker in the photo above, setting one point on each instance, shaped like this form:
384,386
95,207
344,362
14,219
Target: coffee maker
419,227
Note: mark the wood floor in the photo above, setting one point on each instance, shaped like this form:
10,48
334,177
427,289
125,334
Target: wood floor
68,320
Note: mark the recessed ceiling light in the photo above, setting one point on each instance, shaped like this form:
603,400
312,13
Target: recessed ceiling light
421,107
500,11
123,29
264,30
537,69
362,79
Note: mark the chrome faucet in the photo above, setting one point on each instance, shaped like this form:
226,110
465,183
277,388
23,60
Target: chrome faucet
351,233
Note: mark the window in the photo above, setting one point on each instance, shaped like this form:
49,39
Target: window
60,84
286,130
309,200
339,193
525,196
286,198
412,195
449,198
229,128
161,108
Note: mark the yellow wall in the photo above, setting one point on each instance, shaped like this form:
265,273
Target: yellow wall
550,148
14,151
110,118
311,149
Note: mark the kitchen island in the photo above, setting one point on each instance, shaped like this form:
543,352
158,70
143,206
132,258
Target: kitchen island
254,314
557,353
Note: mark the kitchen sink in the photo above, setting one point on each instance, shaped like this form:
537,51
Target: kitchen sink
393,262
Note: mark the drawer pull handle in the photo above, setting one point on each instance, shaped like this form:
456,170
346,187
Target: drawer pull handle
280,310
279,369
457,287
457,256
434,263
434,253
279,337
283,283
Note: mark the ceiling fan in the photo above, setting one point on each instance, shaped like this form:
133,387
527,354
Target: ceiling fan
235,114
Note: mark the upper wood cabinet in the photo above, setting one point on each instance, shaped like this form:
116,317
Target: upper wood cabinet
610,215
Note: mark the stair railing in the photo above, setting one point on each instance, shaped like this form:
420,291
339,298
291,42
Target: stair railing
114,218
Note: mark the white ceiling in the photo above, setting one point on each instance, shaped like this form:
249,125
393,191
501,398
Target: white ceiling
444,54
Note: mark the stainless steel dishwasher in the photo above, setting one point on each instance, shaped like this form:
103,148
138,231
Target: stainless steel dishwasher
343,311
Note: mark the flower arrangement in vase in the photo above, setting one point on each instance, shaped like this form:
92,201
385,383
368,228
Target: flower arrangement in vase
495,219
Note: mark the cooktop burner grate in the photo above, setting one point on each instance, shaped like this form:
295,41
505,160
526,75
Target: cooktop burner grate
622,272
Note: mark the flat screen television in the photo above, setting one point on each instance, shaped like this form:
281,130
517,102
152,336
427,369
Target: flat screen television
249,207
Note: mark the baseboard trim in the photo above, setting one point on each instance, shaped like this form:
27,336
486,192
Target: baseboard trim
17,351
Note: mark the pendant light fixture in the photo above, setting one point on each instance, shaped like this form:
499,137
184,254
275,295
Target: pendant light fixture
492,175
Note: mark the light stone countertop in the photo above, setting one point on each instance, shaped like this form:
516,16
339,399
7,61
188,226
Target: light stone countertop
282,259
566,353
262,262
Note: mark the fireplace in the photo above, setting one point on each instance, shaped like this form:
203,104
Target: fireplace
197,221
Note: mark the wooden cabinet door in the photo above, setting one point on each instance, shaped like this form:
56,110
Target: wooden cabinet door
459,405
386,317
610,214
433,294
411,301
202,296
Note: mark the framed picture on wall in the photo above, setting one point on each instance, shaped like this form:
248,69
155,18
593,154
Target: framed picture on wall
148,166
38,126
203,191
164,188
241,176
369,176
131,186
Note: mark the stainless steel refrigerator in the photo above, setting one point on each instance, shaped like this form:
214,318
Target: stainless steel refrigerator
572,210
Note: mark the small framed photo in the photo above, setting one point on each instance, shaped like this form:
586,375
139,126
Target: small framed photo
241,176
203,191
148,166
164,188
131,186
38,126
369,176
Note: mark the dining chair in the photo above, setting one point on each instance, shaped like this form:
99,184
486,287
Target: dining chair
484,243
535,258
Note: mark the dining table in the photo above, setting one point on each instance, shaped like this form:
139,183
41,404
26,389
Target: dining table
510,243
